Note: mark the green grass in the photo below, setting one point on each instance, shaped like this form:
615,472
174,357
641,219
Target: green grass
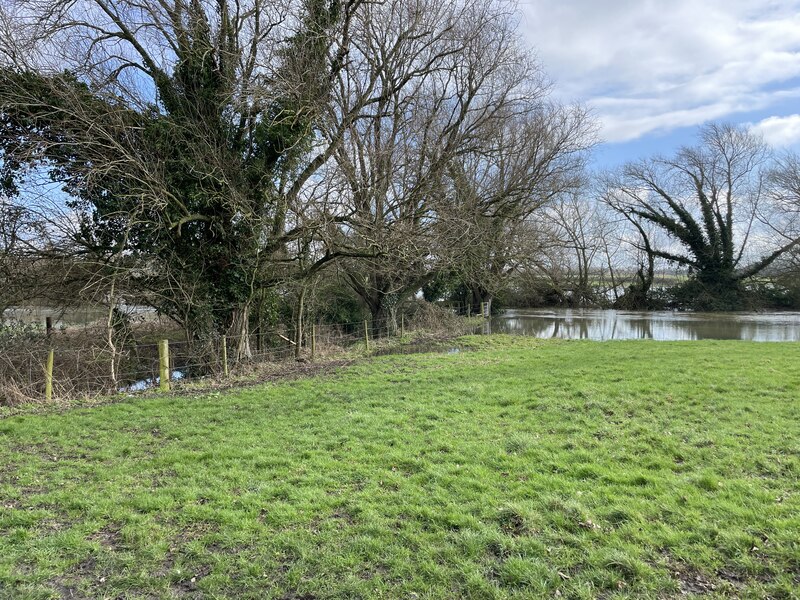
518,469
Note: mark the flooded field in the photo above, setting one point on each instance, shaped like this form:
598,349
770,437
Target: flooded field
71,317
590,324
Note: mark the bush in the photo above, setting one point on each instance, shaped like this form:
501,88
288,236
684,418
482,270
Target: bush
337,304
725,296
781,293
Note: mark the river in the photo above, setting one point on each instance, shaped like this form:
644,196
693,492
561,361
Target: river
593,324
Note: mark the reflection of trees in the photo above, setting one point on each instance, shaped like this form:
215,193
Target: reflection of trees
599,325
583,329
556,328
643,328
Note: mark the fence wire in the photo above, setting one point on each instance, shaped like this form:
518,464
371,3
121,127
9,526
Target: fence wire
88,363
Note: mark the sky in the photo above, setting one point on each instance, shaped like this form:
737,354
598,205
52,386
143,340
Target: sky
652,71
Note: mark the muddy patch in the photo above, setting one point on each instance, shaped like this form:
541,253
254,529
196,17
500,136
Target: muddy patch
109,538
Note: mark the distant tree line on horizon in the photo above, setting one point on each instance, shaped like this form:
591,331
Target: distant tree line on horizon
231,162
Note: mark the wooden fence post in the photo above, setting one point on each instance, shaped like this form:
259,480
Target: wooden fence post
366,335
225,355
313,340
402,325
48,376
163,365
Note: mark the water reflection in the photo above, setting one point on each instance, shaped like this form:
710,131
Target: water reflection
592,324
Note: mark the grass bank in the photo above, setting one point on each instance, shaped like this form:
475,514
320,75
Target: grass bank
515,469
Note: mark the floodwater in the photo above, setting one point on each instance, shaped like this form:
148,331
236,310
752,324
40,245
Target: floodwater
592,324
145,384
70,317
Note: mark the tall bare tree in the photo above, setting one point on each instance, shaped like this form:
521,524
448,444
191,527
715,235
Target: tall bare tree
530,162
419,167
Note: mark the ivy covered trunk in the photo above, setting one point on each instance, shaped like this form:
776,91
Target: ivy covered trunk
239,332
388,314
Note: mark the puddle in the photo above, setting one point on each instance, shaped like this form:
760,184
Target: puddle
418,349
150,382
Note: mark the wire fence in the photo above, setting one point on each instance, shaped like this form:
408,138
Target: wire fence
69,364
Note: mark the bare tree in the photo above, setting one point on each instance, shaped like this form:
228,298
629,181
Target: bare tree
577,253
467,148
531,161
781,215
395,154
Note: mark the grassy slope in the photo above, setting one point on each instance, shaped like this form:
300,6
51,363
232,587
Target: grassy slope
522,469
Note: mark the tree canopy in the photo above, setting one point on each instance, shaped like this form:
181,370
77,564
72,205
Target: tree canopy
210,150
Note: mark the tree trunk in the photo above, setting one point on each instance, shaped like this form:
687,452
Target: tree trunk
383,309
240,332
479,296
637,296
475,299
298,332
379,314
391,323
390,304
110,333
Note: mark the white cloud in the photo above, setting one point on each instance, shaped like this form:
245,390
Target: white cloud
781,132
652,66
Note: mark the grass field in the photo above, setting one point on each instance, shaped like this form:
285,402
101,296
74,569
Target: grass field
514,468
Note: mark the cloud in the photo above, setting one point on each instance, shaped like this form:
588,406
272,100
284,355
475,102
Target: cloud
628,119
649,66
780,132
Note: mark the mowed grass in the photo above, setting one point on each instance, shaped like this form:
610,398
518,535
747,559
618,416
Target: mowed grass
515,468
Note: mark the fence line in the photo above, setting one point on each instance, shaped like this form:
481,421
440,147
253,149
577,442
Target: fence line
50,367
